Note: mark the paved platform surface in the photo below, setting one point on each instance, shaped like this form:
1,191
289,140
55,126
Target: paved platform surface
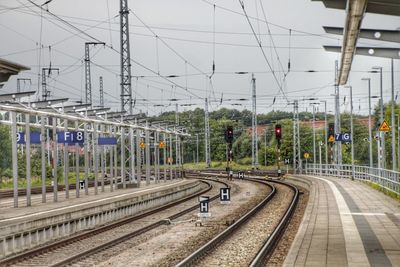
7,212
346,223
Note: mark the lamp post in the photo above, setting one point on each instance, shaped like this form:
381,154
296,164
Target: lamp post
381,134
351,131
371,163
313,128
326,133
393,124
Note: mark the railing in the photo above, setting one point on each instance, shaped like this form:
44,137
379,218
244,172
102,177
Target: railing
386,179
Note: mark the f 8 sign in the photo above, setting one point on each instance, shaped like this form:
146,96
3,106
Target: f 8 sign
70,137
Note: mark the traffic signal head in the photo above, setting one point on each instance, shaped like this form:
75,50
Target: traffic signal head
278,132
331,129
229,134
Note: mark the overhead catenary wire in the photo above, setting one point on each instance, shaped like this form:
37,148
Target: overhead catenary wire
81,32
270,35
263,52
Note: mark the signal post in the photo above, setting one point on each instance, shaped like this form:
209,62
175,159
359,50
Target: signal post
278,136
229,152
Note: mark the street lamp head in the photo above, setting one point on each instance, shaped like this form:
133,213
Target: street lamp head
365,79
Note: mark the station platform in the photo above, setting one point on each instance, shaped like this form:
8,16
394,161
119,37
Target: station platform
346,223
8,213
26,227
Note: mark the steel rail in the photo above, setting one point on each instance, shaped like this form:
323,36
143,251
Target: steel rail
270,244
198,254
128,236
43,249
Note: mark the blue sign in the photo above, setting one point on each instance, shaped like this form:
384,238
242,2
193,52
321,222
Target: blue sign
35,138
70,137
343,137
346,137
107,141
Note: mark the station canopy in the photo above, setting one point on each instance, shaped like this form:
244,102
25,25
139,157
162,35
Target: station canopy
8,68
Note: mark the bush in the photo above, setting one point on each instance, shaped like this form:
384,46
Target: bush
244,161
7,173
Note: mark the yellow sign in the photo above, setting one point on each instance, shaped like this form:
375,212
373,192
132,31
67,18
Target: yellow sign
306,155
162,145
384,126
142,145
331,139
170,159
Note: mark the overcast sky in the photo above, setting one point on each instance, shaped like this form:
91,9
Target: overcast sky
180,37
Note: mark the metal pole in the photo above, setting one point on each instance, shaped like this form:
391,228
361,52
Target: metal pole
112,171
382,134
352,132
66,162
115,154
371,162
197,148
326,133
398,141
177,163
254,141
126,87
123,176
314,148
147,151
170,156
265,147
132,152
43,156
207,135
101,91
55,161
95,158
77,148
338,145
102,165
14,156
28,159
320,158
86,157
165,157
157,155
394,161
138,157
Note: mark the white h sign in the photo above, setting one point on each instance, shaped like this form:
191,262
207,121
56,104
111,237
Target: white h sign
204,206
225,195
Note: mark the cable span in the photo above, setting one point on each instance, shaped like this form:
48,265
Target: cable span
262,50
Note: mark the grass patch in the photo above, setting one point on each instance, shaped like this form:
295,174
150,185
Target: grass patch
236,166
384,190
7,183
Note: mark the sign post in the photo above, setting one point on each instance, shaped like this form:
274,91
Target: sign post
306,156
287,162
384,127
204,206
225,195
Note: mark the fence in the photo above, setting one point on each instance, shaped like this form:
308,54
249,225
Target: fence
386,179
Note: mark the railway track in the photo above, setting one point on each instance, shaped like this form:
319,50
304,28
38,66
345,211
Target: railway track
265,249
68,251
9,193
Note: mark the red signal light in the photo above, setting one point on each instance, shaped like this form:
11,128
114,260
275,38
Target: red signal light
278,131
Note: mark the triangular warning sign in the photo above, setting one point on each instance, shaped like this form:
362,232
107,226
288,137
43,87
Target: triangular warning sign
331,139
384,126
